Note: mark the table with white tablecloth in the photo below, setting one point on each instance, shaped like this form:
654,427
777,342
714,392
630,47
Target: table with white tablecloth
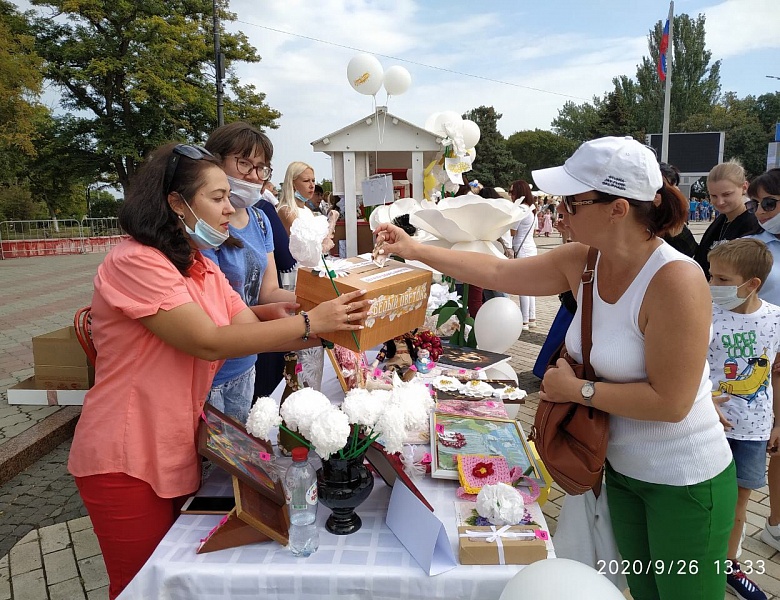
370,563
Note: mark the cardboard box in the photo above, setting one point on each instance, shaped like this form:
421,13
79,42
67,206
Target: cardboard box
400,292
30,392
60,362
478,551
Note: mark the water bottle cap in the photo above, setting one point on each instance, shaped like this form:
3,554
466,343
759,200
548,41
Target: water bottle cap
300,454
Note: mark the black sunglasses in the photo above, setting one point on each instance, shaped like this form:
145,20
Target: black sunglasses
760,361
570,204
767,204
188,150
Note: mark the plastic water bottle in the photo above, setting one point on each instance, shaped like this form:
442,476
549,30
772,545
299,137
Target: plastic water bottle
300,488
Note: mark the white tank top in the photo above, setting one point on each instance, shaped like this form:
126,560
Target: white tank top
684,453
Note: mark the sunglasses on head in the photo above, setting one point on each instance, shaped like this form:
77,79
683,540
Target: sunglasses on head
570,204
188,150
767,204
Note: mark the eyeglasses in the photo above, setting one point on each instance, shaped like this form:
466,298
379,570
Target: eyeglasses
245,167
188,150
570,204
767,204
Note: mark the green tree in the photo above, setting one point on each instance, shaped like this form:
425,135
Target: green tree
695,82
20,86
494,165
101,204
539,149
578,122
635,106
142,70
16,203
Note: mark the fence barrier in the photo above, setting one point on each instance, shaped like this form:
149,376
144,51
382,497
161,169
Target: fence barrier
46,237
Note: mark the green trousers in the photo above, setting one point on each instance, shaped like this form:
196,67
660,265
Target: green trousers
673,538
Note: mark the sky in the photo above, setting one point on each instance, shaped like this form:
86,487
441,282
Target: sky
526,59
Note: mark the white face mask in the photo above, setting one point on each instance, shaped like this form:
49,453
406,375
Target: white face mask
244,194
725,296
204,235
772,225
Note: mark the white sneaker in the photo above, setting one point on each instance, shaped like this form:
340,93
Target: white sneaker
526,327
771,535
532,324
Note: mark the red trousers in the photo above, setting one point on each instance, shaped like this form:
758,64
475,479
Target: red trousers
129,520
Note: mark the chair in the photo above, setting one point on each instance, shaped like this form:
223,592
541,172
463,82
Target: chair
82,322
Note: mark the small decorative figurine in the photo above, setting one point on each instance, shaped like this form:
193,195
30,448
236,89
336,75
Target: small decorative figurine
424,364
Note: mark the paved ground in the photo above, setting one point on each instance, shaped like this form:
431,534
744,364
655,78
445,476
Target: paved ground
47,546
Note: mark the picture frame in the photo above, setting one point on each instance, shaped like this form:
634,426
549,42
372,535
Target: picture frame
390,468
479,435
226,443
469,358
341,367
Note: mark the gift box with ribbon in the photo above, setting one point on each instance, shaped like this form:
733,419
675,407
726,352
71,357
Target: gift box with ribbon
507,545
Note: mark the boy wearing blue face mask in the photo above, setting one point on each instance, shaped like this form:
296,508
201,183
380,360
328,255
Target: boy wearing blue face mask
745,343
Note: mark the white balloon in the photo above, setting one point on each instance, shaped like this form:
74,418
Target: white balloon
397,80
431,121
498,324
502,370
364,73
471,133
448,116
559,579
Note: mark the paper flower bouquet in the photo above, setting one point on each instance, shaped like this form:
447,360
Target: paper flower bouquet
387,416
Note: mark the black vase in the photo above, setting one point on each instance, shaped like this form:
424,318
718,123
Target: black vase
342,486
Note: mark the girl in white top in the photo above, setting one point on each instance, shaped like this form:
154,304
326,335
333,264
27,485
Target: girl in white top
523,243
671,479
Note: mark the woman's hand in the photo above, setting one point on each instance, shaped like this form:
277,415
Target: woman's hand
394,240
275,310
345,313
717,401
561,384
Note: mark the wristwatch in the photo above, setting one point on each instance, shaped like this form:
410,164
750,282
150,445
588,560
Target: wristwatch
588,391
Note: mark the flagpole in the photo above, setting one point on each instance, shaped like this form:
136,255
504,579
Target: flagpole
668,87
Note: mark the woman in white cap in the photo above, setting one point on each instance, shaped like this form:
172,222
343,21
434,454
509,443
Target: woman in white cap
669,472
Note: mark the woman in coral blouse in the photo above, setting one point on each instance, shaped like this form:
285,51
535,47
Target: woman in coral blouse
164,319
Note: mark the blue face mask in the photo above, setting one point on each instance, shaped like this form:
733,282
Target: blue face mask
299,196
204,236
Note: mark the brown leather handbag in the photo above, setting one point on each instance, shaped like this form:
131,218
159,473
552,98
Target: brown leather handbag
572,438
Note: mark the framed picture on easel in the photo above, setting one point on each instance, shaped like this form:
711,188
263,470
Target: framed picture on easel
257,485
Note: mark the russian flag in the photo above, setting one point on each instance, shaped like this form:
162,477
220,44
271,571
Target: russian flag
663,48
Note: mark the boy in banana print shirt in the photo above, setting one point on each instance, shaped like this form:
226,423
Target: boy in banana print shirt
746,340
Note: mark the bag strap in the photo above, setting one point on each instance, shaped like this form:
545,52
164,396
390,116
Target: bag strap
259,218
588,276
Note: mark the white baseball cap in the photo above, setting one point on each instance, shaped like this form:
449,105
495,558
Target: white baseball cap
619,166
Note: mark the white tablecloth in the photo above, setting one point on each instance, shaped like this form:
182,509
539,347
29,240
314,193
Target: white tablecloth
371,563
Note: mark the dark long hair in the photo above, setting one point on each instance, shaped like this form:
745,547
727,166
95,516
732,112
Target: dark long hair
146,215
521,189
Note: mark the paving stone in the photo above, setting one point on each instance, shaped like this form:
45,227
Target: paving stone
66,590
60,566
29,586
30,537
85,543
98,594
93,572
54,538
25,558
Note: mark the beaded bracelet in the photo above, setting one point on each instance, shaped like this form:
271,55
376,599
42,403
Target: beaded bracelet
307,323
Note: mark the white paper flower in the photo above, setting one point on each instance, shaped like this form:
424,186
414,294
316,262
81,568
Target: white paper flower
447,384
364,407
500,504
403,206
329,432
301,408
440,294
478,389
414,400
263,417
509,392
391,424
470,223
306,236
